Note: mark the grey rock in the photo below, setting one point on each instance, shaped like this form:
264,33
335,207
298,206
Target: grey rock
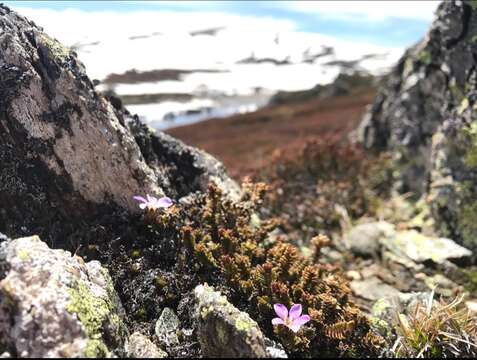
420,248
223,330
53,304
372,289
388,307
167,327
66,152
365,239
425,115
139,346
275,350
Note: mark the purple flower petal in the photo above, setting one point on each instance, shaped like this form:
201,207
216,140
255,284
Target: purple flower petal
278,321
302,320
294,328
164,202
142,206
281,310
295,311
139,198
150,198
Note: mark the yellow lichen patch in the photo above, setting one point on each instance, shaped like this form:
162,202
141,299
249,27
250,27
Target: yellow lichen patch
57,50
464,104
91,311
243,322
23,254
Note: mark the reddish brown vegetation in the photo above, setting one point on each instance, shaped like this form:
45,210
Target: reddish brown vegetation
247,142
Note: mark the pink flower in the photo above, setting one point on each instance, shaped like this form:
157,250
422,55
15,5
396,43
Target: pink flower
292,319
153,203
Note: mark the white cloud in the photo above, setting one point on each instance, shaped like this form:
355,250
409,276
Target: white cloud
354,10
72,25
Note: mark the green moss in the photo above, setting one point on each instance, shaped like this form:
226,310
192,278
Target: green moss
456,92
470,281
470,135
160,281
473,4
425,57
141,313
467,223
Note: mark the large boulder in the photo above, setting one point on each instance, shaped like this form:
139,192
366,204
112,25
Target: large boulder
66,153
424,115
53,304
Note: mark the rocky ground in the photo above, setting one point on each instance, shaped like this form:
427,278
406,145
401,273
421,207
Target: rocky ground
365,238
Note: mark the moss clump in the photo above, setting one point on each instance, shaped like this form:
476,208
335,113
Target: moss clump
220,237
160,282
466,224
456,92
469,281
470,137
473,4
425,57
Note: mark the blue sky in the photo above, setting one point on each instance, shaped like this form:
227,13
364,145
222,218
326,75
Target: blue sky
388,23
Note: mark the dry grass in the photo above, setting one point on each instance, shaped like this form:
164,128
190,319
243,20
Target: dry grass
436,329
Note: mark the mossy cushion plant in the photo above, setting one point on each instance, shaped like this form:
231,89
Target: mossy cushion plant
225,244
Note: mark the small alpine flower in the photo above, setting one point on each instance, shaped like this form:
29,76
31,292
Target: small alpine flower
153,203
292,319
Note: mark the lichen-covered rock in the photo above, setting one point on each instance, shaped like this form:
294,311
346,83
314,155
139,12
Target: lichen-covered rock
387,307
371,239
66,153
421,248
424,115
167,327
223,330
139,346
53,304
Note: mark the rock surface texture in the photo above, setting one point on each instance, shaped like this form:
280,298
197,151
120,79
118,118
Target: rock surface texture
424,114
53,304
66,152
139,346
223,330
